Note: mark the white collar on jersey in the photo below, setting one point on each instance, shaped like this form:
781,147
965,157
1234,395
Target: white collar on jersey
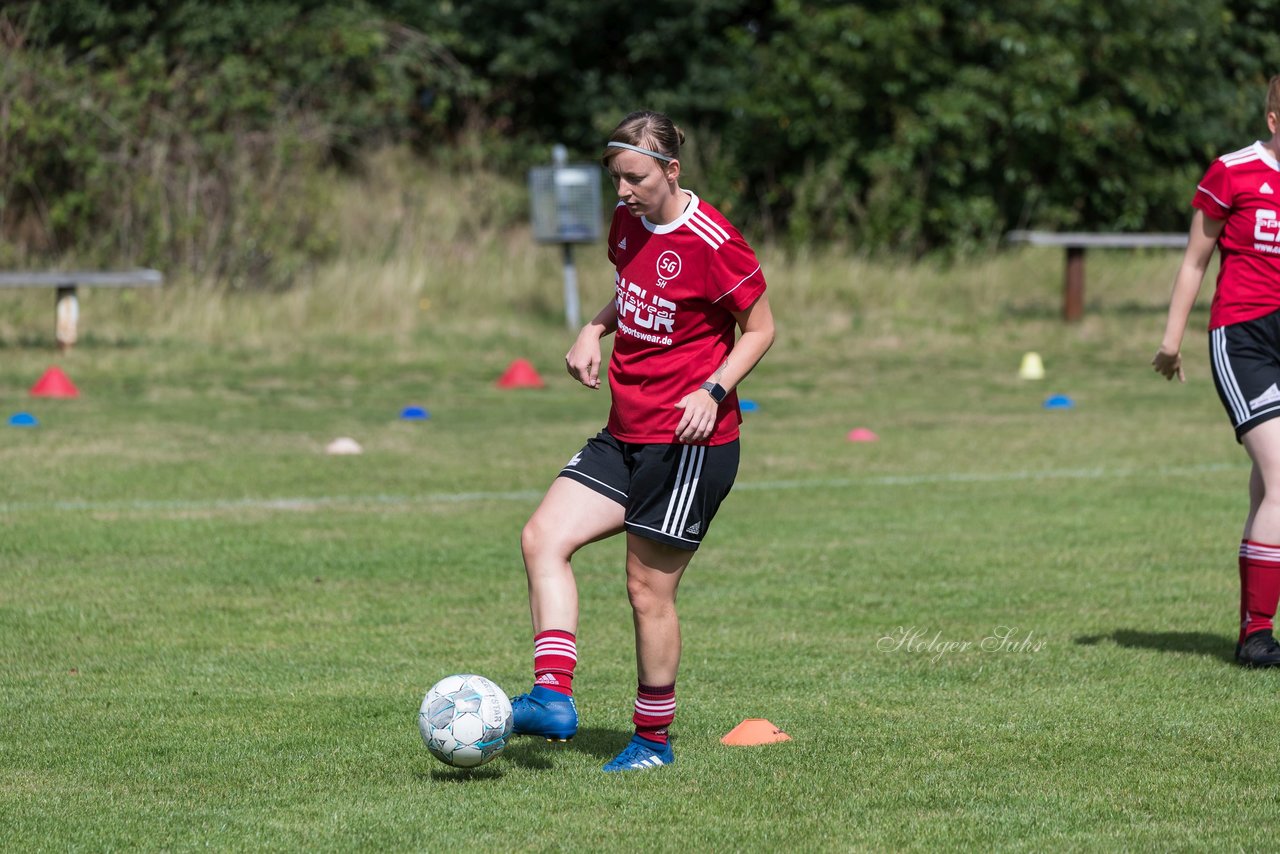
669,227
1265,155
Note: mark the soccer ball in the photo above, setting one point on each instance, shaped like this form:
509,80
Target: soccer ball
465,720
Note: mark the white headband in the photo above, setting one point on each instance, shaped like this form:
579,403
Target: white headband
641,150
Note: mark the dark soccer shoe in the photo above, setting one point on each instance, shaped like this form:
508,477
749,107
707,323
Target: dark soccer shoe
1259,649
544,712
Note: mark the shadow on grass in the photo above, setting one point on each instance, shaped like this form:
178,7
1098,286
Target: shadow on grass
599,742
1191,643
532,753
445,774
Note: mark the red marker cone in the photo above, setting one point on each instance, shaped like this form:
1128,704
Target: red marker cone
520,374
754,731
54,383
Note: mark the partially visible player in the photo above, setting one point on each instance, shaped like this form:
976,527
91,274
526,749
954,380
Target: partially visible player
1237,209
685,285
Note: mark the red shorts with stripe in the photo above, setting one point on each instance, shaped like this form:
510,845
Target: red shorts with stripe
670,492
1246,370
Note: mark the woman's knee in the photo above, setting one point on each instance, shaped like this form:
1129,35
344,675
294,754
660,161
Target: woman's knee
528,538
647,598
535,538
542,543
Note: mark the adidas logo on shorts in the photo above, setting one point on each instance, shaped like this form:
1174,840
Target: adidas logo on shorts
694,528
1271,395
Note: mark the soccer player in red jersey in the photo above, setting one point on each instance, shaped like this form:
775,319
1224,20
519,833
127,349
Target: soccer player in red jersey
690,320
1237,209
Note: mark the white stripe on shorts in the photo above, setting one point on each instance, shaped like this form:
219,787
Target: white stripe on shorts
577,474
687,474
1226,378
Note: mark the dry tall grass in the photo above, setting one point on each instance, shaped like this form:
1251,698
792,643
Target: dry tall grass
421,245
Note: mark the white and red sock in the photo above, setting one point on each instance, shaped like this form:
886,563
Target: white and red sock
1244,587
655,710
1259,586
555,655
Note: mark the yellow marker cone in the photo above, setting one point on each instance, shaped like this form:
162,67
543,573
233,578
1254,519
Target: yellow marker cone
1032,368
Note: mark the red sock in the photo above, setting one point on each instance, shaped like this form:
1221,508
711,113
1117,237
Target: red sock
655,710
1260,574
1244,586
555,654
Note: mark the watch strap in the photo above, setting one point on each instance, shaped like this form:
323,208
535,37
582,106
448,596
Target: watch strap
717,391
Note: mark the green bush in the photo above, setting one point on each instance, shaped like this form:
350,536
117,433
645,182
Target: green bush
922,125
197,136
897,126
188,136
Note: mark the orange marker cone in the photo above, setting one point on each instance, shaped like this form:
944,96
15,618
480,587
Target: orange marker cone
754,731
54,383
520,374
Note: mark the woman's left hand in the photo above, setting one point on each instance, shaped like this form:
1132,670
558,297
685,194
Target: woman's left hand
699,419
1169,365
583,359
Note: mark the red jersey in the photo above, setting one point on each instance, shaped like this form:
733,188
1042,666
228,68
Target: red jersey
676,288
1243,188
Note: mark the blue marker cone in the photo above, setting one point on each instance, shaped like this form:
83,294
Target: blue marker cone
22,419
415,413
748,405
1059,401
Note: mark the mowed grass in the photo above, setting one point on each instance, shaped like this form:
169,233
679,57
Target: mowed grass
998,627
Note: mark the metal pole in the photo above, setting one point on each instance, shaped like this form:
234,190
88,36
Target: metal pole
1073,286
572,314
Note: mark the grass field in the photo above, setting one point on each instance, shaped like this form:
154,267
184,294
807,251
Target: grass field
999,627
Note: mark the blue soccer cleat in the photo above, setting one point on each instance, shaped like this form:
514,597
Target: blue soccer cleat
641,754
544,712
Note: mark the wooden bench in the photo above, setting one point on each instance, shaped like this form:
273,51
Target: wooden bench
1076,242
67,307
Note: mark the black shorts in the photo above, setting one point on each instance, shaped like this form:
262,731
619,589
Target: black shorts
670,492
1246,370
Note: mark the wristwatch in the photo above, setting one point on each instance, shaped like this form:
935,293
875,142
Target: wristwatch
716,391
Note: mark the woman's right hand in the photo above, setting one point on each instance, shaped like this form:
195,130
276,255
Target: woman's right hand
583,359
1169,365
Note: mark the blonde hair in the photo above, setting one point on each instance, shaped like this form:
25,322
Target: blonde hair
1273,96
646,129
